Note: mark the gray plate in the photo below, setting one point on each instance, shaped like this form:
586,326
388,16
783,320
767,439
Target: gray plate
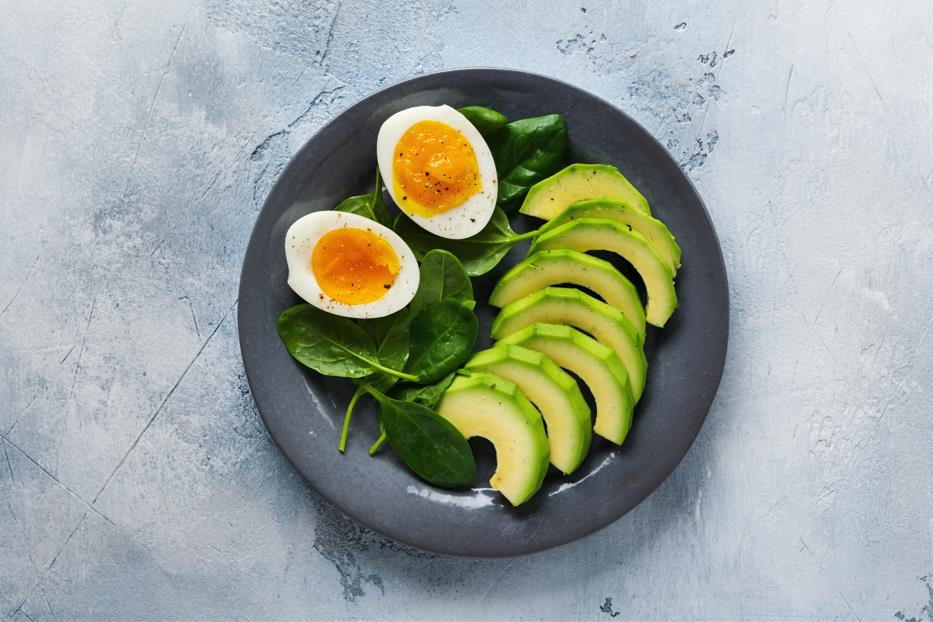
303,411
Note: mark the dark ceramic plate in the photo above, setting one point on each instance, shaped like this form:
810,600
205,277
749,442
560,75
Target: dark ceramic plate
304,411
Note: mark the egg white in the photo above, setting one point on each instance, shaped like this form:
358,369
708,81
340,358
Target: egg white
303,236
468,218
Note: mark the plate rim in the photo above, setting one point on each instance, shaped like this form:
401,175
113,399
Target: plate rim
655,483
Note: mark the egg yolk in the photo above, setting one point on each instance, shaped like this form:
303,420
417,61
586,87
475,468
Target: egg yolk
354,266
435,169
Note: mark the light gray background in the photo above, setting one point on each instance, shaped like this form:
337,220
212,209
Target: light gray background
137,142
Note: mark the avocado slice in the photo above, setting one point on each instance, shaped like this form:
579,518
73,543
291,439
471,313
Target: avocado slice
561,305
577,182
552,391
597,365
554,267
588,234
655,231
494,408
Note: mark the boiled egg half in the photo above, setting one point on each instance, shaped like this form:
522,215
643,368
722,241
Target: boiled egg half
438,170
348,265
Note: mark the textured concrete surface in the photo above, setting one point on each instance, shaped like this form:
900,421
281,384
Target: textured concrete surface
137,142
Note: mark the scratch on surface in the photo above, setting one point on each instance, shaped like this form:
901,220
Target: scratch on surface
923,336
725,55
9,464
848,604
21,286
65,358
87,326
297,78
805,547
790,76
865,65
267,143
47,603
193,318
825,345
329,39
495,581
155,98
158,246
21,413
822,569
48,473
165,399
881,520
819,309
67,540
206,190
728,51
89,508
264,145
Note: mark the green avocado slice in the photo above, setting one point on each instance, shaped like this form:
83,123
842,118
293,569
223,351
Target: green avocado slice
577,182
494,408
589,234
566,266
560,305
554,392
597,365
655,231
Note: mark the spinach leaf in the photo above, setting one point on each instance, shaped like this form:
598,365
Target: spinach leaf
390,334
445,335
370,205
357,204
429,444
526,151
330,344
426,395
442,277
486,120
478,254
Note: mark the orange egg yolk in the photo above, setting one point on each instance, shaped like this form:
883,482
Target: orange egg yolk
354,266
435,169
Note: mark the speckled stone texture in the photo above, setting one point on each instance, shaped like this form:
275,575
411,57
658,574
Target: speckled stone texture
137,142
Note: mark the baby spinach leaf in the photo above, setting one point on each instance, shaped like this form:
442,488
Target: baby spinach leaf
442,277
426,395
486,120
429,444
443,341
390,335
330,344
526,151
478,254
370,205
357,204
